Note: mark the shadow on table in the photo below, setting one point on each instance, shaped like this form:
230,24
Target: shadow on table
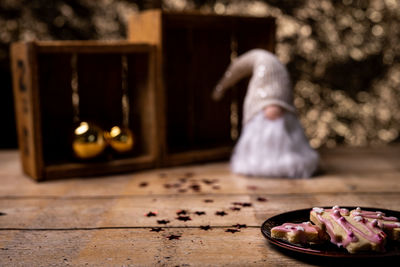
327,261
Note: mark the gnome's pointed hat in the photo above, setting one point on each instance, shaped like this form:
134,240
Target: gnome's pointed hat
270,83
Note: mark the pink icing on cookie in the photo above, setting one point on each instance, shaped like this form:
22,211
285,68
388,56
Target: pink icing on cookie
337,214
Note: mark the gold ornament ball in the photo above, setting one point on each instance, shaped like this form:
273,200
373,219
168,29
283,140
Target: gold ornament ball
120,139
88,141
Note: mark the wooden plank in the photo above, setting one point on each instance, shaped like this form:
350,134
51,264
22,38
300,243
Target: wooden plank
23,64
140,247
168,181
64,212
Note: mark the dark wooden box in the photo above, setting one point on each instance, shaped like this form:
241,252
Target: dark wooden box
42,92
193,51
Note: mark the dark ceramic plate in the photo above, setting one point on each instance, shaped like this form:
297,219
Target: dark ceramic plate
326,249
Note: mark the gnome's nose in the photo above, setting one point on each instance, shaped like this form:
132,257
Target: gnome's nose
273,112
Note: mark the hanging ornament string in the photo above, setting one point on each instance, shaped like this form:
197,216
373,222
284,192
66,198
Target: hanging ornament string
74,87
88,139
121,138
124,87
234,115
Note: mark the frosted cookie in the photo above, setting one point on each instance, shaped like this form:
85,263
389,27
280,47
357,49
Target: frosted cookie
299,233
390,225
347,231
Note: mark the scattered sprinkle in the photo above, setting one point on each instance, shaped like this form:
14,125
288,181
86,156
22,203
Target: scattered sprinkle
235,208
205,227
261,199
230,230
184,218
183,180
195,187
181,212
151,214
143,184
162,221
208,200
240,226
200,213
2,213
221,213
208,181
171,237
156,229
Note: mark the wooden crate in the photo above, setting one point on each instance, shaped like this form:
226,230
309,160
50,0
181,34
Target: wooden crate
193,51
42,91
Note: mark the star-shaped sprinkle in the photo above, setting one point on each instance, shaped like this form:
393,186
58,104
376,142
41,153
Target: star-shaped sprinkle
156,229
183,180
171,237
151,214
261,199
195,187
143,184
208,181
208,200
181,212
240,226
200,213
232,230
221,213
205,227
184,218
162,221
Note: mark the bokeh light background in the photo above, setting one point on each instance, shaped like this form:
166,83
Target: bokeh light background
343,56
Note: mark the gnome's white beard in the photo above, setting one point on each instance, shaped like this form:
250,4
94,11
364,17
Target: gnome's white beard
274,148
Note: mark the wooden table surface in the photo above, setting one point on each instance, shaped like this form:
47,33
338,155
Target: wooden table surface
102,221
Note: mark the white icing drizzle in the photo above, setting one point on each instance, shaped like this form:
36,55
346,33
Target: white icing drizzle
299,228
318,210
288,227
358,218
336,207
358,209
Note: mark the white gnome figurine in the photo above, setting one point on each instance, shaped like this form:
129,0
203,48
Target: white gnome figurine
272,142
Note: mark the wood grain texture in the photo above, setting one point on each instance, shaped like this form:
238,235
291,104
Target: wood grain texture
102,221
